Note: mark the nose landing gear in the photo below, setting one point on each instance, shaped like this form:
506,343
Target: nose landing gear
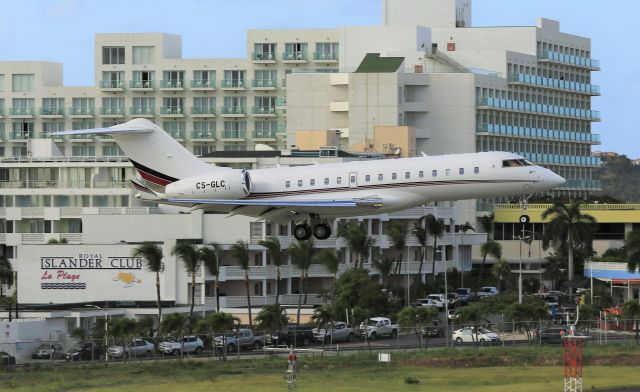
524,202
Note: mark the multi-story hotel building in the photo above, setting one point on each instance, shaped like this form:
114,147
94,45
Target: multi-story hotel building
458,88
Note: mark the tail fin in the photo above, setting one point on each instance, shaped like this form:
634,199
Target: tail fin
158,158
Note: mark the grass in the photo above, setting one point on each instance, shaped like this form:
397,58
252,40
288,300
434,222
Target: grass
497,369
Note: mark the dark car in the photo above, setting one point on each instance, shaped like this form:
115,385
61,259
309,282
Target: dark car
86,351
298,335
433,331
7,359
554,334
48,351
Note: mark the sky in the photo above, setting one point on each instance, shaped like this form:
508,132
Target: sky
63,31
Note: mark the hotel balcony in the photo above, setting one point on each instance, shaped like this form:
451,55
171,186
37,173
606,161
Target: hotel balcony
230,135
21,136
203,135
177,135
227,301
263,57
264,135
112,112
142,85
264,111
233,84
321,57
263,84
537,133
171,111
203,85
294,57
538,108
21,112
80,112
566,59
52,112
554,84
233,111
172,85
112,85
142,111
203,111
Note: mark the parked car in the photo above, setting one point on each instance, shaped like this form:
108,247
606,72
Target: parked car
433,331
85,351
438,299
487,291
48,351
465,295
135,348
554,334
298,335
471,335
339,332
376,327
453,314
243,339
188,344
454,301
7,359
428,302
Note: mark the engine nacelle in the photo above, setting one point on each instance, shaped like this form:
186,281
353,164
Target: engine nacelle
227,184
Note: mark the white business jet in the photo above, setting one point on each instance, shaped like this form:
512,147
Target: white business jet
311,194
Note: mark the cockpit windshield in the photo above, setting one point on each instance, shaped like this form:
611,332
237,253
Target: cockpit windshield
516,163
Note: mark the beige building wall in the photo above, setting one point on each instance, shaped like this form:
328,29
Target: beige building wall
397,140
314,139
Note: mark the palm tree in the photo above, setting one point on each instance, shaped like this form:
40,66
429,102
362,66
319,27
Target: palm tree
487,224
357,239
210,258
278,257
323,319
384,265
632,247
501,269
435,228
152,255
421,235
272,318
568,225
188,254
416,318
631,311
302,257
464,228
219,322
329,259
489,248
398,235
6,274
240,252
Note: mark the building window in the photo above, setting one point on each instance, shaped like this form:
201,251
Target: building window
476,170
83,151
23,83
203,149
1,82
434,173
461,171
420,174
234,78
113,55
142,54
264,51
112,151
287,184
367,178
299,183
83,124
204,78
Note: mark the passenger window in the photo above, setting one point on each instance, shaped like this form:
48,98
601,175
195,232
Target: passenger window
339,180
380,177
407,175
394,176
434,173
299,182
461,171
420,174
447,172
476,170
326,181
287,184
367,178
312,182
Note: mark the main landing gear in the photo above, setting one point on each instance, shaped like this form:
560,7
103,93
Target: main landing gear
303,230
524,202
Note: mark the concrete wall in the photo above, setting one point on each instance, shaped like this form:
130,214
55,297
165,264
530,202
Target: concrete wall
434,13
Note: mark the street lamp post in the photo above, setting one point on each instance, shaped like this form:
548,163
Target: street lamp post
106,326
520,238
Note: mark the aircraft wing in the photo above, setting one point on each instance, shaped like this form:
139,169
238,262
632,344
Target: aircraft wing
358,202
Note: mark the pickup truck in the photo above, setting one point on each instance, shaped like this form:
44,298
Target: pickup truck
339,332
428,302
243,338
298,335
188,344
376,327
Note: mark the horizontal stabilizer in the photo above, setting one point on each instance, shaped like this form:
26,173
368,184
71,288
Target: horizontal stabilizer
369,202
139,186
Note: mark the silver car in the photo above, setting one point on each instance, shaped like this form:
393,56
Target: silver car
135,348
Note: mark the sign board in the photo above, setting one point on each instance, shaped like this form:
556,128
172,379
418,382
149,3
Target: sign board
82,273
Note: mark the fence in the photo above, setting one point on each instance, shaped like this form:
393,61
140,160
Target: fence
220,346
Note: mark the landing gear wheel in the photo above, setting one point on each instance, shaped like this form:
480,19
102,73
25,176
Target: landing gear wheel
322,231
302,232
524,219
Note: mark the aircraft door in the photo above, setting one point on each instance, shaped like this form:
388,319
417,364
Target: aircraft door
353,179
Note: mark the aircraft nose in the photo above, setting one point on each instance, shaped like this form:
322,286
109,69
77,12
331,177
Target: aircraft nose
554,179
